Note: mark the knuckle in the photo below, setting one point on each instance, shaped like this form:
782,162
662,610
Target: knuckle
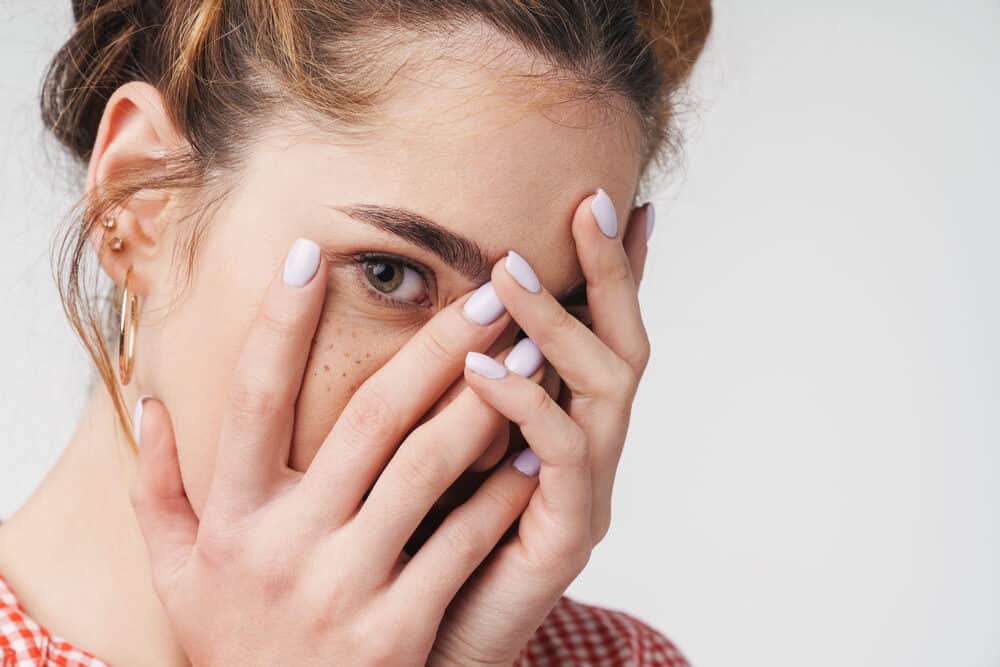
439,345
270,568
276,325
570,558
422,469
641,355
505,502
251,399
563,322
369,415
388,648
616,271
538,401
576,451
217,548
622,381
465,542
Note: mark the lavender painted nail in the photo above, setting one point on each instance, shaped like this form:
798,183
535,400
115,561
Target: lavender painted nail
301,263
522,272
484,365
527,463
484,306
604,213
525,358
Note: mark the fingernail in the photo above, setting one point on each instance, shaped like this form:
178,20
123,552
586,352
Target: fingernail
650,220
484,306
527,463
522,272
604,212
137,419
525,358
301,263
484,365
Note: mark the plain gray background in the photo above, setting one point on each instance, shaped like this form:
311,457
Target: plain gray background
811,474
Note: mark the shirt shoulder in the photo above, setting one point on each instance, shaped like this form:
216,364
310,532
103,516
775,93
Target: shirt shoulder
575,633
25,643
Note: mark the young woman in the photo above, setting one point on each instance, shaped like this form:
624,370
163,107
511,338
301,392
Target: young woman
378,266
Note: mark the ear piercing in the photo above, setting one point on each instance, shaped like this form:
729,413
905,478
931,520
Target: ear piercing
115,243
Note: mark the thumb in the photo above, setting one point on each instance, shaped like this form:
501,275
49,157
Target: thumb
165,517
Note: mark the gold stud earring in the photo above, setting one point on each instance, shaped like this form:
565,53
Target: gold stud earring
109,223
115,243
127,330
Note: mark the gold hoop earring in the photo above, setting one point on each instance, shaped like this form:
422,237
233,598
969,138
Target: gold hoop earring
127,330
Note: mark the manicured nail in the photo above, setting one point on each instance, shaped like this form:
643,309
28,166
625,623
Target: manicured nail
484,365
484,306
522,272
525,358
527,463
604,212
137,419
650,220
301,263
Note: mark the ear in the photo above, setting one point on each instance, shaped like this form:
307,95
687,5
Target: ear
134,135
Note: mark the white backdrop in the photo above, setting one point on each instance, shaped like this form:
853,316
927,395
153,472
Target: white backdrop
811,476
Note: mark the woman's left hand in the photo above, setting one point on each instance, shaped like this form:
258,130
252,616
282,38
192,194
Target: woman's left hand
577,441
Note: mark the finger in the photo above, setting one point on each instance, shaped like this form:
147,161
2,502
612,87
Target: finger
434,456
257,423
612,294
557,443
388,404
563,339
465,538
640,228
166,520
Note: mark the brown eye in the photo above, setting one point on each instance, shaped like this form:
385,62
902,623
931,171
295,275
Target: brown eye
395,280
384,276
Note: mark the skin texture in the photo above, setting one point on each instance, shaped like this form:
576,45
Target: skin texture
473,152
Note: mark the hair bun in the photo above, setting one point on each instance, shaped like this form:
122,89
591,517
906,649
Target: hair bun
677,31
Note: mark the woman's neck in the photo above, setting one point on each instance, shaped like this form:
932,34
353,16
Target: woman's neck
74,555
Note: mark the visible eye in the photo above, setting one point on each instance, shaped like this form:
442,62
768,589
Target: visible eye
393,280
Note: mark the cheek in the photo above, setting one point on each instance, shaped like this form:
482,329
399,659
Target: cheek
347,349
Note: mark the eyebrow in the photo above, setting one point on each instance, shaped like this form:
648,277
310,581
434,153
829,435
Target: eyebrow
465,255
462,253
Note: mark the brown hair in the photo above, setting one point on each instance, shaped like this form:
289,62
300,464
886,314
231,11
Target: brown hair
224,66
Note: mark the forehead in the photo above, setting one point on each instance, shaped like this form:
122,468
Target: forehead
490,143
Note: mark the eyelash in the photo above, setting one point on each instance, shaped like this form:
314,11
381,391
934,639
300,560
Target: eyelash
362,258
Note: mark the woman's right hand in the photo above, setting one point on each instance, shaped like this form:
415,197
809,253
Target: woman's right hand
290,568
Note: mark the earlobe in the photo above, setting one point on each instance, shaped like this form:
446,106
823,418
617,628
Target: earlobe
135,133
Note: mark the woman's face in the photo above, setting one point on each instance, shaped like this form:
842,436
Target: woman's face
466,166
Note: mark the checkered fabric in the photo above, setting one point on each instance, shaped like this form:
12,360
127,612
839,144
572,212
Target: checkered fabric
580,634
24,643
572,634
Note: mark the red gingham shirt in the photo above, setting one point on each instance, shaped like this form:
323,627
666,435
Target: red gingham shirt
572,634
